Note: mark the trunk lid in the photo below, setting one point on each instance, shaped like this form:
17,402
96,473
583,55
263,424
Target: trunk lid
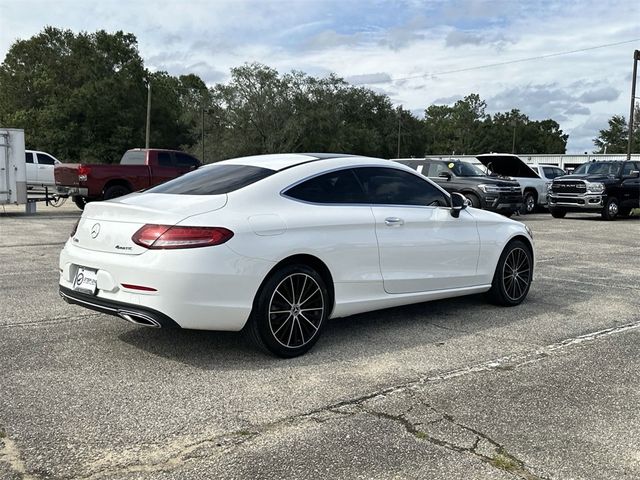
507,165
108,226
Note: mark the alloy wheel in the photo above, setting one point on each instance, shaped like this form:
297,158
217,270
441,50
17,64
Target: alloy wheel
516,274
296,310
613,209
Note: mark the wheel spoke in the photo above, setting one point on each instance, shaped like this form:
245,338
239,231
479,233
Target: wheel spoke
283,324
285,298
310,296
304,284
301,332
291,332
309,322
279,311
310,309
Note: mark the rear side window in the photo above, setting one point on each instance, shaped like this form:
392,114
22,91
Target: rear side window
44,159
28,157
340,186
389,186
213,180
134,158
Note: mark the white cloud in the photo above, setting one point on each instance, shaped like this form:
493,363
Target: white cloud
371,41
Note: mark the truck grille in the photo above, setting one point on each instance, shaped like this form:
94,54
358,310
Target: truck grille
569,187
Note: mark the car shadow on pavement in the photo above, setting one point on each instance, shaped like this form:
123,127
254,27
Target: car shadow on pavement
343,339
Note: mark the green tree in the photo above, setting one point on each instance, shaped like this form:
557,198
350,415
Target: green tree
83,96
614,139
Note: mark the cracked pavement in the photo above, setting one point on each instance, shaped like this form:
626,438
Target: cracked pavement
448,389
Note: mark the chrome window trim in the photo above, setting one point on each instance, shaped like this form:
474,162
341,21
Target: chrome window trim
353,167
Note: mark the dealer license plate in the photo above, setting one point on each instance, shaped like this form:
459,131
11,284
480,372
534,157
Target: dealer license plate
85,280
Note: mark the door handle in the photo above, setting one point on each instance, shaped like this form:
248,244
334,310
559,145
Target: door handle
393,222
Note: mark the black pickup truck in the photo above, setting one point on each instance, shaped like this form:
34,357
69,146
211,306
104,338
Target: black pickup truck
501,195
610,188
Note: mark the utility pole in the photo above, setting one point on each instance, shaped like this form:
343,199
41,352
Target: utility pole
513,144
399,124
636,57
146,141
202,134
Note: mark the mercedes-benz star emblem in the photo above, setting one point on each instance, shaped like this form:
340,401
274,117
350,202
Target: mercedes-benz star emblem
95,230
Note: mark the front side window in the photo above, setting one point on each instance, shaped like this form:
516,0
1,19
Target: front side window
164,159
44,159
186,161
628,168
390,186
337,187
213,180
551,172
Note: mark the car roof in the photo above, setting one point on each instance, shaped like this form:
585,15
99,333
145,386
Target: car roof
281,161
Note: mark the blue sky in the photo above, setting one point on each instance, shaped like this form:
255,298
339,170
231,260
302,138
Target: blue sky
378,43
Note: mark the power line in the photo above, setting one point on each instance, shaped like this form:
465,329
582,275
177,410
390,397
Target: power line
520,60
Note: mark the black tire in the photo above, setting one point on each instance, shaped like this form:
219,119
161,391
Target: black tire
115,191
611,209
79,201
513,275
279,323
474,199
530,202
557,212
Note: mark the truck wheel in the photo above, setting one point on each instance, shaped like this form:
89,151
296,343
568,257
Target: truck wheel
115,191
79,201
611,208
557,212
475,201
530,200
624,212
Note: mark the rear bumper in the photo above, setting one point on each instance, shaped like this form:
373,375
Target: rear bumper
131,313
72,191
209,288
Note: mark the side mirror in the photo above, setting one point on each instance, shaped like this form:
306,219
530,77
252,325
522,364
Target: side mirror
446,175
458,203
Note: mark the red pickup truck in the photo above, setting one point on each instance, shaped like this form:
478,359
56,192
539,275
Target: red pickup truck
138,169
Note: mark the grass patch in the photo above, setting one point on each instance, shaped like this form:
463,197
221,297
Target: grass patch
635,212
421,435
505,461
3,434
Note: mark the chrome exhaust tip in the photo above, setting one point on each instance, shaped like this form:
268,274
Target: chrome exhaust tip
138,318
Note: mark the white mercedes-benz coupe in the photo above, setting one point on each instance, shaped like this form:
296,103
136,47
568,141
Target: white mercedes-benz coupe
278,244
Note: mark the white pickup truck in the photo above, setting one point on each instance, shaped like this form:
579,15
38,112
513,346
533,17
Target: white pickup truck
40,168
534,188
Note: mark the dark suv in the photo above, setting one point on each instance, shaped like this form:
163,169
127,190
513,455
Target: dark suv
490,193
609,188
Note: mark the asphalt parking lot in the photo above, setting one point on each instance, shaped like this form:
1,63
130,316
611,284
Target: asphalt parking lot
448,389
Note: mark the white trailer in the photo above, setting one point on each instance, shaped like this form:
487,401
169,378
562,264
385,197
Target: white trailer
13,169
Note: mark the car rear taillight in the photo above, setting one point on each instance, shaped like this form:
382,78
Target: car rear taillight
157,237
83,172
75,228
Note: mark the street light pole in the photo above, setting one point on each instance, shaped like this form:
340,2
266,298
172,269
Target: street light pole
399,119
146,141
636,57
203,134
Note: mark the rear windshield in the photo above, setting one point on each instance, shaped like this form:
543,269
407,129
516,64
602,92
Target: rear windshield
134,158
214,180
